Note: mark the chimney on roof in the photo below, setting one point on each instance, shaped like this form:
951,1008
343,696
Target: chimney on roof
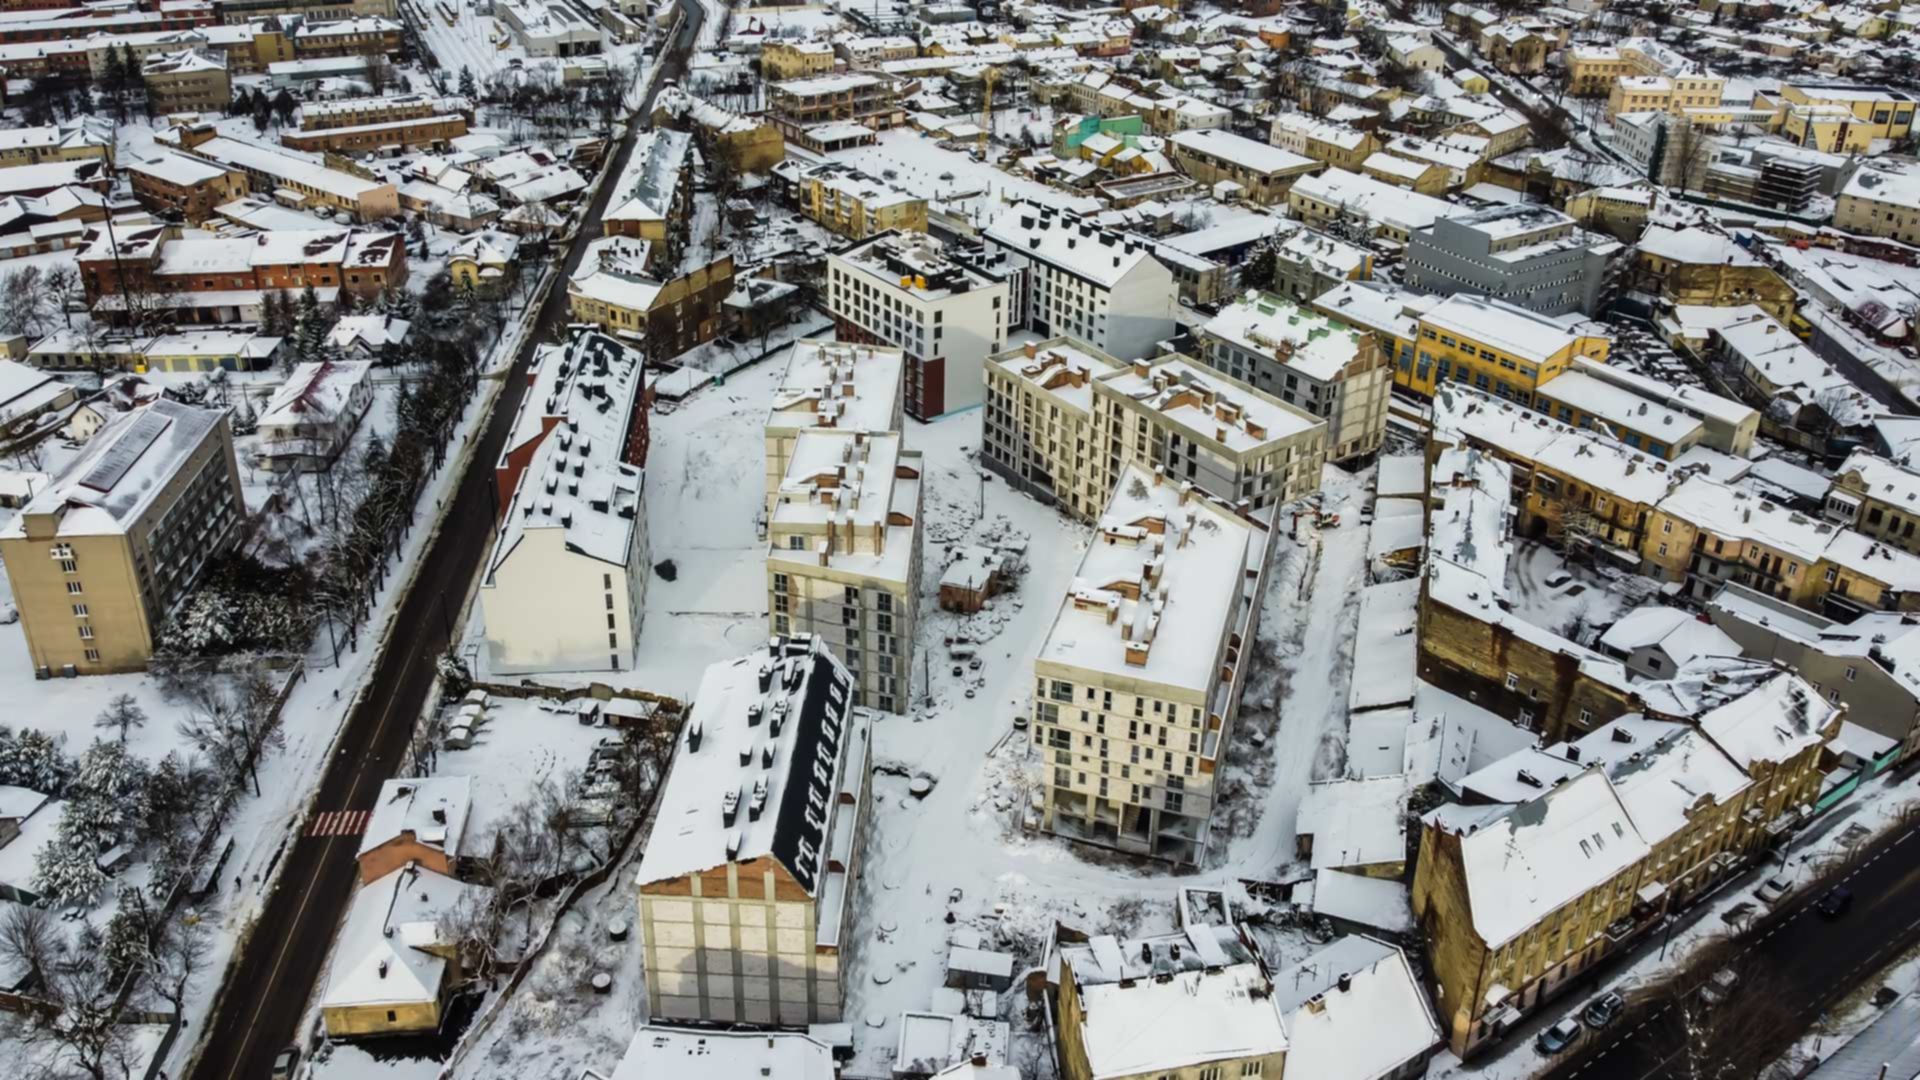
1346,982
439,815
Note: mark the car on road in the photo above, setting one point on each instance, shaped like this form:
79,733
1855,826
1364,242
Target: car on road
1835,903
1774,889
1603,1010
1558,1037
1719,986
285,1062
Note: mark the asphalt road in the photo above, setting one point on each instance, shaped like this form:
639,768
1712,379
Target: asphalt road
1807,960
272,981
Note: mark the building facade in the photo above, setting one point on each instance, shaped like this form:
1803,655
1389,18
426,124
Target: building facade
98,558
1532,257
1308,360
1067,275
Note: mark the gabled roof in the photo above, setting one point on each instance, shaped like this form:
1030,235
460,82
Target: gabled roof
381,955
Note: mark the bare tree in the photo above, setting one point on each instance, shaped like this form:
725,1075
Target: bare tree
28,942
176,957
234,725
77,1027
122,714
1727,1018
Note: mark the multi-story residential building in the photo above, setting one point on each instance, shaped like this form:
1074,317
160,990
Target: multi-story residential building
82,139
656,200
1805,401
1309,360
1880,199
1338,145
747,142
1841,118
859,98
783,60
1216,1008
1340,199
432,132
854,204
1138,683
191,186
365,35
1695,266
1588,401
187,81
1189,423
100,556
1530,256
1419,177
277,173
843,555
309,421
903,290
1878,497
1038,429
387,109
566,578
1260,172
1388,312
832,385
1495,346
1308,264
1471,640
1705,533
1726,425
146,259
1516,898
613,291
1869,666
1067,275
746,887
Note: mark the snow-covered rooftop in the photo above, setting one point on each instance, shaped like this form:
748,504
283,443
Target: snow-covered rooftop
1069,243
1165,581
1354,1011
1318,346
770,746
381,956
1777,720
831,384
1207,406
431,810
706,1054
1063,368
123,468
316,392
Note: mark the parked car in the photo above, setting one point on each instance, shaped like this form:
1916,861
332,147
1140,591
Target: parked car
1603,1010
1558,578
285,1062
1836,902
1719,986
1772,890
1558,1037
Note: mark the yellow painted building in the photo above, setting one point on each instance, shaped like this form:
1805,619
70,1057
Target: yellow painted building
1839,119
795,60
1502,349
856,206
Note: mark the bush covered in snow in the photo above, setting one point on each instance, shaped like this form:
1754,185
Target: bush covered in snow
34,760
242,605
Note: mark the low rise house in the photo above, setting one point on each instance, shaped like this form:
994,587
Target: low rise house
394,969
312,417
417,821
1661,418
843,555
1355,1010
1309,360
99,557
1877,497
290,177
1151,629
1356,201
26,394
612,290
564,584
854,205
746,885
1656,641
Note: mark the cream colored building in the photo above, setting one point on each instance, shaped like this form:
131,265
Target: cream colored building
1138,682
747,881
1191,423
833,385
567,577
99,557
843,556
1038,429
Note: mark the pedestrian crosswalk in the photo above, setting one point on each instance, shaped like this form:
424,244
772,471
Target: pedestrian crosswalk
340,823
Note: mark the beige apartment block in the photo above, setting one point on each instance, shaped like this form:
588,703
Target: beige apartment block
843,556
832,385
1139,680
99,556
745,889
1191,423
1038,429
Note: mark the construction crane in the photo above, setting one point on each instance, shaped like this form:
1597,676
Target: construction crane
988,76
